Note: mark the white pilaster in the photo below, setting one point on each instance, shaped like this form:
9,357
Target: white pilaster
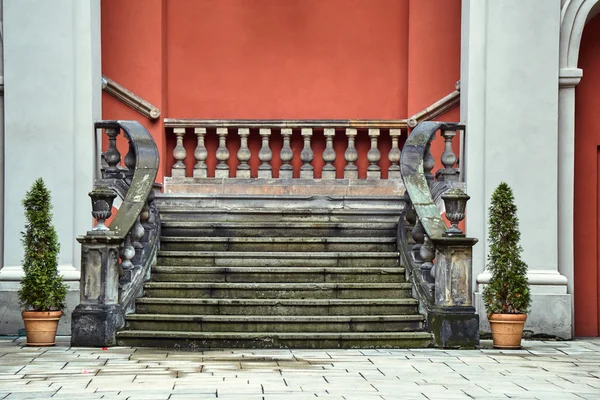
509,102
52,93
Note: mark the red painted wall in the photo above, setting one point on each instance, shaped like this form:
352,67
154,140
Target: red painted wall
587,185
133,55
280,59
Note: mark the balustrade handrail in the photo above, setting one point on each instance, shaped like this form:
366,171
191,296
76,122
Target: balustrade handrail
439,261
375,131
287,123
116,261
146,170
415,181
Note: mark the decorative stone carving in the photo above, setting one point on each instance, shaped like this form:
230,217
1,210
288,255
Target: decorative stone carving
328,171
410,217
102,200
351,155
286,171
200,154
265,155
428,164
374,155
448,173
307,155
127,254
222,155
179,154
129,161
394,155
455,201
243,154
112,155
418,235
428,254
137,234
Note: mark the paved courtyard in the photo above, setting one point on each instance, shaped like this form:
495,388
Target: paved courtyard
541,370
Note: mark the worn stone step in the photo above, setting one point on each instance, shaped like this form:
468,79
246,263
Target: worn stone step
282,201
278,259
278,243
181,213
198,290
278,229
261,323
146,305
329,340
277,274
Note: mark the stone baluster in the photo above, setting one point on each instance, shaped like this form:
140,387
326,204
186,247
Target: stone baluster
307,155
265,155
127,254
243,154
137,235
428,164
328,171
428,254
410,217
112,155
222,155
129,161
374,155
448,173
394,155
418,235
179,154
286,171
351,155
200,154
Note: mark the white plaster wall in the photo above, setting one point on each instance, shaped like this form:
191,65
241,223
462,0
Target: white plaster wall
509,101
52,97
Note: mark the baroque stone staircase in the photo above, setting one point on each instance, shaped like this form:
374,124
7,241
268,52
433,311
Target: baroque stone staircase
279,271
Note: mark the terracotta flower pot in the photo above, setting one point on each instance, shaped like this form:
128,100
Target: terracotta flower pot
507,330
41,326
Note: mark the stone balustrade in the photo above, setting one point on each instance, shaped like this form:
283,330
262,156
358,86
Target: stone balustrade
438,258
287,149
116,259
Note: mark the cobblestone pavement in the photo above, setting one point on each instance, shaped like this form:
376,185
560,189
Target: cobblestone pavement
541,370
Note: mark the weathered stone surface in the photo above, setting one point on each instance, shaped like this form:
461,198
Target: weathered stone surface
454,327
96,325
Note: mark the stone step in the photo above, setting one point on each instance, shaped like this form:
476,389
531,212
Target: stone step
282,201
277,274
278,243
146,305
308,340
278,259
261,323
278,229
200,290
180,213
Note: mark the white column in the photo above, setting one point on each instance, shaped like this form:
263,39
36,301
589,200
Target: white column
568,79
53,93
509,102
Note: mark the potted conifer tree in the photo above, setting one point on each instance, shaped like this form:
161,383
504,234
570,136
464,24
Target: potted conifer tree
43,293
507,296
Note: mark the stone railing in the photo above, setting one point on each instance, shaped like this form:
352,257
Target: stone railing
271,148
116,260
438,258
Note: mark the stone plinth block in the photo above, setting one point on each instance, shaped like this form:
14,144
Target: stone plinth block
95,325
454,327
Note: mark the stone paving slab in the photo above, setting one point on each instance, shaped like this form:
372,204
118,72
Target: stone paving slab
543,370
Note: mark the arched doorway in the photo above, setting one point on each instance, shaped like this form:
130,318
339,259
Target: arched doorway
587,185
